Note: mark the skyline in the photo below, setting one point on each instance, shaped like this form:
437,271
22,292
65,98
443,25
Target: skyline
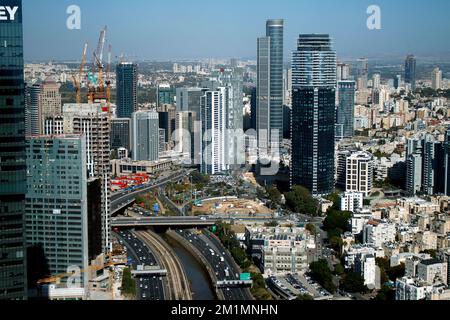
187,38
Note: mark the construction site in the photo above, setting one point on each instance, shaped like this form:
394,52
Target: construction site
231,206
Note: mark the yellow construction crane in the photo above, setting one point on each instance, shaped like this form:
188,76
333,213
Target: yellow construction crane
58,277
79,77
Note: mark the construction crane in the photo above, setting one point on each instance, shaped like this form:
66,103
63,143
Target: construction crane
108,81
58,277
97,91
77,79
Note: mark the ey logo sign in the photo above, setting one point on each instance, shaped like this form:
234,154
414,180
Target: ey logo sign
8,13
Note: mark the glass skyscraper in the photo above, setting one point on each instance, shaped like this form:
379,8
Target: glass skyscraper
127,79
346,108
12,155
56,203
313,113
145,136
410,71
270,83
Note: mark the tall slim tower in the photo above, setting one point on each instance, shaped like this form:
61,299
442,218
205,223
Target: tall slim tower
363,72
12,154
346,107
436,79
410,71
270,83
313,113
126,78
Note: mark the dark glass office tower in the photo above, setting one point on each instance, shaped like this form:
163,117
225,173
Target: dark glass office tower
270,83
313,113
346,108
410,71
127,79
12,154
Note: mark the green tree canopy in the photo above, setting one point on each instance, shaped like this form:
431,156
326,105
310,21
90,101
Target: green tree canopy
353,282
299,200
323,275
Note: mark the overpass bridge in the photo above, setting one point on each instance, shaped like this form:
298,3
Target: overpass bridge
123,199
177,221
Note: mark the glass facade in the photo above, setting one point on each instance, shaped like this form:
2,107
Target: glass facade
56,202
127,78
346,108
12,156
120,134
145,135
410,71
313,114
275,31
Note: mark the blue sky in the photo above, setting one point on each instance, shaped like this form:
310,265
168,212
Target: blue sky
177,29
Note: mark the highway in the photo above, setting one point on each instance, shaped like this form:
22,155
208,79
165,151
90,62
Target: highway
123,198
178,282
150,287
219,260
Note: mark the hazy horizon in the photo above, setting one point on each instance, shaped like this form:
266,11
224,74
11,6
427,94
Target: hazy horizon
199,29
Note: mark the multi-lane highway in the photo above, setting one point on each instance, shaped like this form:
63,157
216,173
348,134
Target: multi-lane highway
219,260
149,287
178,281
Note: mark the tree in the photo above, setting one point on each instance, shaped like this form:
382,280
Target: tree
274,195
334,197
128,283
385,294
273,223
311,228
299,200
323,275
354,283
337,221
305,297
339,269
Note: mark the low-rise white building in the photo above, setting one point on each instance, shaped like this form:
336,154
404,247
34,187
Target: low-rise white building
365,265
411,289
359,220
351,201
279,250
377,233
